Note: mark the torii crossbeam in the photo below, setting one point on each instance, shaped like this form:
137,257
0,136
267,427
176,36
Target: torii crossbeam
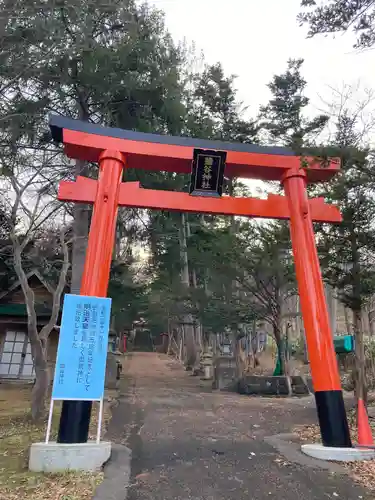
116,149
84,190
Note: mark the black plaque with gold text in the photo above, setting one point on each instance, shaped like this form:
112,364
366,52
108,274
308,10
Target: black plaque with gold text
207,173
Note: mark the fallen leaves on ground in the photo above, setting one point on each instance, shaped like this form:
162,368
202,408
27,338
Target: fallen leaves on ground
69,486
143,475
17,432
362,472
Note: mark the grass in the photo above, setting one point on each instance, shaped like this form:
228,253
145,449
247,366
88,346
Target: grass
17,432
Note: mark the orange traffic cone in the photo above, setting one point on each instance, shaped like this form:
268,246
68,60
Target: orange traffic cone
364,430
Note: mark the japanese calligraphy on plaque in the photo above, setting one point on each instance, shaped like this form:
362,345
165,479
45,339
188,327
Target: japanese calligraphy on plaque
207,173
82,350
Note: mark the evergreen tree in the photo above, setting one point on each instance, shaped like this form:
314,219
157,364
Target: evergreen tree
347,249
7,274
213,112
216,112
108,62
111,62
334,16
284,122
284,117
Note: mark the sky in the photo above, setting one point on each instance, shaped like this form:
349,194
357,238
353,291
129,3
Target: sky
254,40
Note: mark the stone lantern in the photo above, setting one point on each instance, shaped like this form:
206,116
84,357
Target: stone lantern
207,363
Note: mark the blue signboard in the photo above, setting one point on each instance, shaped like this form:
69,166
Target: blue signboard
82,350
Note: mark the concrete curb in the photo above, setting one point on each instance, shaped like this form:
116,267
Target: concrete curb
117,475
321,452
288,446
117,471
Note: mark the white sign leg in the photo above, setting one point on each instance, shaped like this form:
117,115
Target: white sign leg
100,420
49,425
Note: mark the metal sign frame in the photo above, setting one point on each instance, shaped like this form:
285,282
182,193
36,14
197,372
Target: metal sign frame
83,342
100,418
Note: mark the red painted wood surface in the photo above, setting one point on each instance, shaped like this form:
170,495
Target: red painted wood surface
172,158
322,356
132,195
103,225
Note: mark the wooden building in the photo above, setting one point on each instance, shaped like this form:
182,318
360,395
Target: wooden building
15,350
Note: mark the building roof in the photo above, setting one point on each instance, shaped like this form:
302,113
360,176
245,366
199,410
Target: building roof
17,284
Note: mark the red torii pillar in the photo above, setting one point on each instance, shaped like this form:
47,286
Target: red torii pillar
113,148
323,362
75,415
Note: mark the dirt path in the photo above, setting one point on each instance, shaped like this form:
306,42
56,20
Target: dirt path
191,443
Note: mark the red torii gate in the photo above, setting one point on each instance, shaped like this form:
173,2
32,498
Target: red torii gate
116,149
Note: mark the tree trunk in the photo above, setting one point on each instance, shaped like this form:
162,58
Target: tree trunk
360,358
301,332
347,322
42,378
240,357
80,214
332,308
252,336
371,322
278,315
40,390
287,349
198,325
277,333
305,349
181,343
190,346
80,237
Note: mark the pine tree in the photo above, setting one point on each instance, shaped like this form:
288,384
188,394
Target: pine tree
334,16
284,122
283,118
217,112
